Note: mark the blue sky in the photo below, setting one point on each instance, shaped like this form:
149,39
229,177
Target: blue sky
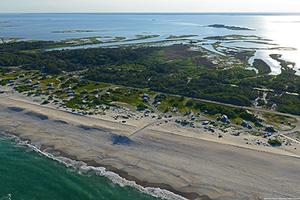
149,5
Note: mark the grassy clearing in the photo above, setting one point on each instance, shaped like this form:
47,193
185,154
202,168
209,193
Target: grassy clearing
279,120
46,81
125,95
90,87
170,102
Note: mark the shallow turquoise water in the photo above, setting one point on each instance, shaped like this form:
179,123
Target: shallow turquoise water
27,175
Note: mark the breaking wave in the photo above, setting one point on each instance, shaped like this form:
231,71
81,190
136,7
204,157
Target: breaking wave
101,171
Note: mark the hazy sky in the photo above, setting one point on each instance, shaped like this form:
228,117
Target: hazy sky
149,5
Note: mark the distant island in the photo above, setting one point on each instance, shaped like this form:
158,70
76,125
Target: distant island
235,28
141,106
157,105
180,36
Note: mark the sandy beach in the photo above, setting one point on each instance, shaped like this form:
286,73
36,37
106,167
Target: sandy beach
190,164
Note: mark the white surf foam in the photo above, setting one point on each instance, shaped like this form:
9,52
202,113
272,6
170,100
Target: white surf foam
101,171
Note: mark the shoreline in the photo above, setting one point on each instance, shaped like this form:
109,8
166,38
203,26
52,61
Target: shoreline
119,177
133,125
91,122
179,161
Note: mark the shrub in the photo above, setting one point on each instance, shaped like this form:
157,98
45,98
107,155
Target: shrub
274,142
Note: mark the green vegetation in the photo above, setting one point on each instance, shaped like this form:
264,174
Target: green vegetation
180,36
261,66
297,135
288,103
279,118
143,37
89,86
274,142
237,28
184,105
235,37
23,88
172,70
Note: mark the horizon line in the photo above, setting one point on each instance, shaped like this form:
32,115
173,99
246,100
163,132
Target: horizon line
162,13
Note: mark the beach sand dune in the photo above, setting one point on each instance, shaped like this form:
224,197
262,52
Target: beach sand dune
194,168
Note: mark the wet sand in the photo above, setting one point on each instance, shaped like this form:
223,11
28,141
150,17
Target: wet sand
190,166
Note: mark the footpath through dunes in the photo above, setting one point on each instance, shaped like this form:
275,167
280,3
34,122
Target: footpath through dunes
194,168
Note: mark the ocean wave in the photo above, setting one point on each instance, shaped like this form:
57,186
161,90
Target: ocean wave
6,197
100,171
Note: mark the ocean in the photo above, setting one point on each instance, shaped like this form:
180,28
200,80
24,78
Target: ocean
28,175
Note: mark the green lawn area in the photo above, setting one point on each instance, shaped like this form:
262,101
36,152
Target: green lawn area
10,75
127,95
173,102
46,81
90,87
